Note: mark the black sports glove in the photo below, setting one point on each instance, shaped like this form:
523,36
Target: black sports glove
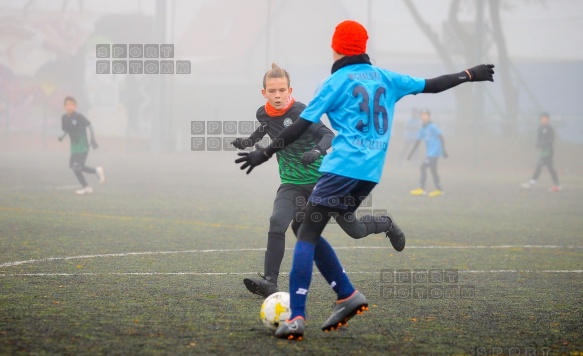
481,73
311,156
252,159
242,143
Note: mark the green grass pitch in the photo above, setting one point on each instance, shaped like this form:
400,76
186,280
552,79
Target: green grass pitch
153,261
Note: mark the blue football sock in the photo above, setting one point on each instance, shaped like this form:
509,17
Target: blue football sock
300,277
332,270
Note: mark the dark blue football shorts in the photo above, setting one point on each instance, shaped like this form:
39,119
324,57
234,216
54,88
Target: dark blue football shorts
340,193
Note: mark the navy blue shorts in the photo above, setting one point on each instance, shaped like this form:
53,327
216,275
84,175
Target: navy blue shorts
340,193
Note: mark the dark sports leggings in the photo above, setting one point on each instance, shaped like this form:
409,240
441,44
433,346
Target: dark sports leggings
77,164
289,202
431,163
312,220
546,161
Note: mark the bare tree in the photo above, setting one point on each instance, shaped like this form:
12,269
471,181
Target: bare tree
473,45
463,98
510,90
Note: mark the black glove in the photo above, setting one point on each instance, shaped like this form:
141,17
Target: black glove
94,144
252,159
482,73
242,143
311,156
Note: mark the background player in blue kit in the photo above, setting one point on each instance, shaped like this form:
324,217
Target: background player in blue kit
435,148
359,100
411,131
75,125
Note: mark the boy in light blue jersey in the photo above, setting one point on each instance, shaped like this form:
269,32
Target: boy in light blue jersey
410,131
435,148
359,100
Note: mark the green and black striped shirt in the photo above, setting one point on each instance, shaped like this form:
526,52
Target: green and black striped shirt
291,168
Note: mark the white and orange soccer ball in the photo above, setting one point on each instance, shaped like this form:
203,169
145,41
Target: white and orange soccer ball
275,309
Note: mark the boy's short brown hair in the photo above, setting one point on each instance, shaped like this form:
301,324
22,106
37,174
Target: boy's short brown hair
70,98
276,72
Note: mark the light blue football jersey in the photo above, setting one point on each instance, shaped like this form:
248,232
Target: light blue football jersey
430,134
359,100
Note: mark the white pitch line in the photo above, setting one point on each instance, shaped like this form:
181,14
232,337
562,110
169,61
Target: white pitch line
251,273
125,254
465,247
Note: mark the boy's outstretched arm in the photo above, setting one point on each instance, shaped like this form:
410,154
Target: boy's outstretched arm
479,73
256,136
64,128
443,146
92,137
413,149
287,136
325,136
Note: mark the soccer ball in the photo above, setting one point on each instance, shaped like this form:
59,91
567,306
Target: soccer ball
275,309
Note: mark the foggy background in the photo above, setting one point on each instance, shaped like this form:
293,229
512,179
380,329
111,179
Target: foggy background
48,51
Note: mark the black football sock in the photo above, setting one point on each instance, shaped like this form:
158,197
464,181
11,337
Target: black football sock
274,255
81,178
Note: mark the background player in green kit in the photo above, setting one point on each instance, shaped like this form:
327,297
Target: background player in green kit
75,125
298,169
545,141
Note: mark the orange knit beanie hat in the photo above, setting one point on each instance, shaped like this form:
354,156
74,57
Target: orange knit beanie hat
349,38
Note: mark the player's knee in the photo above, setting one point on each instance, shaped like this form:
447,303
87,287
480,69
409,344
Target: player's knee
297,221
278,224
295,226
308,236
272,235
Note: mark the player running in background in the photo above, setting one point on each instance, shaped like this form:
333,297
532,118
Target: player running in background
359,100
435,148
411,131
75,125
545,142
298,171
